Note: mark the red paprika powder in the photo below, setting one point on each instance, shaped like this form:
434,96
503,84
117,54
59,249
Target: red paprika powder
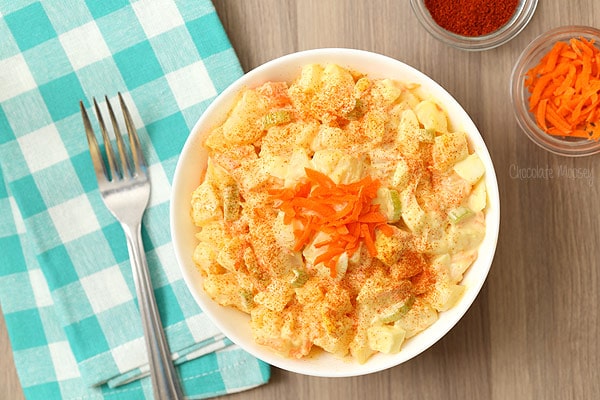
471,17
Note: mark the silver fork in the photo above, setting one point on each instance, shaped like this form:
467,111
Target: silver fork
125,189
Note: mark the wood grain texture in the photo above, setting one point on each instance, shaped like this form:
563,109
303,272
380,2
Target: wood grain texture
10,386
533,331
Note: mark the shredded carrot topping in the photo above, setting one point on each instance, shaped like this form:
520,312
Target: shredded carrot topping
345,212
564,90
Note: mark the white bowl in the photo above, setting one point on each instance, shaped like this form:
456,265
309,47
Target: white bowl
190,171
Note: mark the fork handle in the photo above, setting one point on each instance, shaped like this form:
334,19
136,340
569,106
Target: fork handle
164,379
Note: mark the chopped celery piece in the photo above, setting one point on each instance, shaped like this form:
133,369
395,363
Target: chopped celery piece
246,300
299,279
231,202
278,117
357,112
459,214
426,135
399,312
390,204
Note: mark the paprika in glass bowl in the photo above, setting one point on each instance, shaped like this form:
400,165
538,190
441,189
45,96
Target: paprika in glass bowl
474,25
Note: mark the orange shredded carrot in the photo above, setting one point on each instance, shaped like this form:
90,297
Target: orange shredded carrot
345,212
564,89
540,115
553,56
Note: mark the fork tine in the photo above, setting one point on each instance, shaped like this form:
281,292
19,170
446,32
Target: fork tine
110,154
139,162
99,167
120,144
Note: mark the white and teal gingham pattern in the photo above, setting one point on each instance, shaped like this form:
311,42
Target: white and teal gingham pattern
65,281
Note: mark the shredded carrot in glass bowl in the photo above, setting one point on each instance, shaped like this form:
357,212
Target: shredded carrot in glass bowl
564,89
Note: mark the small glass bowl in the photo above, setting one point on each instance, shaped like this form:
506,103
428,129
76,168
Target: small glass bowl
566,146
512,28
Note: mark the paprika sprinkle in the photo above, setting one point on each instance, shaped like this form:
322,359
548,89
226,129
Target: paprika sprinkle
471,17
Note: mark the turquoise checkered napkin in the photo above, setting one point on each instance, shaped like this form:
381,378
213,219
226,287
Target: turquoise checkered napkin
65,280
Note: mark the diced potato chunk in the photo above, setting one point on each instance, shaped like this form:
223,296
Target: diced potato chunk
432,116
276,295
470,169
448,149
478,198
386,338
244,124
206,204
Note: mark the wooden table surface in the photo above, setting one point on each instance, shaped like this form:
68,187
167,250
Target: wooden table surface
533,332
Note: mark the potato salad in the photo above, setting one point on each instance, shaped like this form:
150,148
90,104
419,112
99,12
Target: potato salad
339,211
